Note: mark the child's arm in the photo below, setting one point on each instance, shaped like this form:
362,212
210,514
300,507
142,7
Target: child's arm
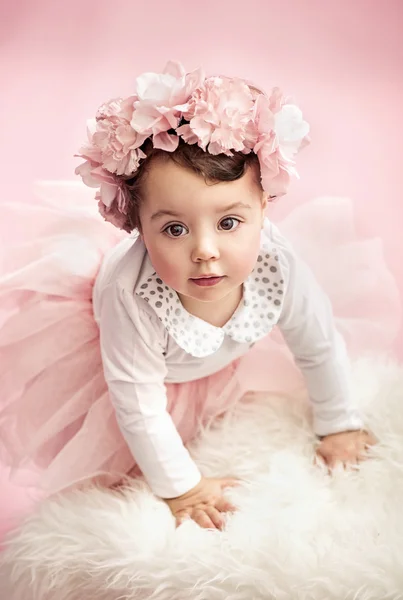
135,370
308,327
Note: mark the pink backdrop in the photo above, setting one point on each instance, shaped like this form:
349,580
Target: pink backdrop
341,60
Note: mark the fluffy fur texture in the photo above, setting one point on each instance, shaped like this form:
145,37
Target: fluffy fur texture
299,534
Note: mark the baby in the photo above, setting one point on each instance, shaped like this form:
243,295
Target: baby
186,290
189,164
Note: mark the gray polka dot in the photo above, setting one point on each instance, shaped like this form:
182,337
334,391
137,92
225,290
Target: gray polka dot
256,324
246,325
158,280
270,315
276,258
144,286
158,304
267,256
277,302
255,306
261,292
161,297
266,264
167,300
160,289
256,279
260,270
167,310
259,259
167,288
171,295
141,293
178,312
280,292
281,280
152,293
266,280
175,321
275,284
273,269
269,297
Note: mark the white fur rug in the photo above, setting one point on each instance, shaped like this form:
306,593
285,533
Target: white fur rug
299,534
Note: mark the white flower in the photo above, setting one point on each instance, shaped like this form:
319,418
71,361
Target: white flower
290,129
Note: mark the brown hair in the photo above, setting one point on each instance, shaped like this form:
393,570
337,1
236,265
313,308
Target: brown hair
213,168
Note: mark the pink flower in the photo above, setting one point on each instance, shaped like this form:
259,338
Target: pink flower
282,134
112,215
220,115
113,136
85,171
111,140
161,98
113,196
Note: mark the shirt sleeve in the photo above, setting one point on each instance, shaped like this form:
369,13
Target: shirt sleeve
308,327
135,369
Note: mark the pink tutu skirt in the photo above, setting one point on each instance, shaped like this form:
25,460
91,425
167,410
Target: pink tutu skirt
57,425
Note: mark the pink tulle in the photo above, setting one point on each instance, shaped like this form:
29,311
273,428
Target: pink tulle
56,420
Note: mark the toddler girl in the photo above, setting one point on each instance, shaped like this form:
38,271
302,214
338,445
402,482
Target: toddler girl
187,166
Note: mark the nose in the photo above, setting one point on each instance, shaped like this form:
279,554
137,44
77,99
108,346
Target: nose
205,248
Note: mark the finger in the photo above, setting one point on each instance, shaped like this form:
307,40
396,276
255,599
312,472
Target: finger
181,518
371,440
333,465
224,505
215,516
355,465
229,482
202,519
363,455
319,461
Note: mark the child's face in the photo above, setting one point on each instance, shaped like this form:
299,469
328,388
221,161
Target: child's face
192,230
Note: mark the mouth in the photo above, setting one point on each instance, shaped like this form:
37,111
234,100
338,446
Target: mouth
207,280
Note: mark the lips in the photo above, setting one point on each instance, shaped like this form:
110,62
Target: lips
207,280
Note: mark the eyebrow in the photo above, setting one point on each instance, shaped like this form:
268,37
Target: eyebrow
171,213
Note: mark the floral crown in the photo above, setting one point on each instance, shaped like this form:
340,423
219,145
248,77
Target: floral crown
219,114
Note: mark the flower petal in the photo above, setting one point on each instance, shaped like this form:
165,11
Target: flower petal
166,141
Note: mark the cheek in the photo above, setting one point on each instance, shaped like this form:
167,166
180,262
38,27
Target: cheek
167,263
245,262
244,256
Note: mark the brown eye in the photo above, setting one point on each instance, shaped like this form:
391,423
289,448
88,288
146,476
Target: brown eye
175,230
229,223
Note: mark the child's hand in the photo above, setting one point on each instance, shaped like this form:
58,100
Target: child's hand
204,503
347,448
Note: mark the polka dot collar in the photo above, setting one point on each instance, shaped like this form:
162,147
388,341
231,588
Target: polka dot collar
257,313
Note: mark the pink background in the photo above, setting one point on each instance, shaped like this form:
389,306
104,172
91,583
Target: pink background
341,60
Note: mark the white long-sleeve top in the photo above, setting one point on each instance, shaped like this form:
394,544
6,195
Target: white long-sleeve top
148,339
